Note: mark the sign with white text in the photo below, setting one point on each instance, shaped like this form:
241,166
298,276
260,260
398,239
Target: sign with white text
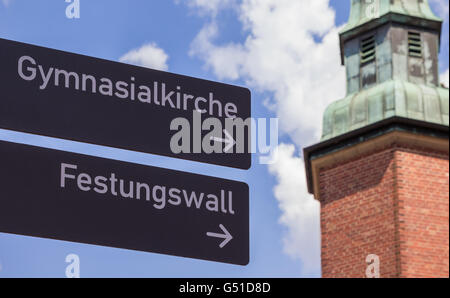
64,95
66,196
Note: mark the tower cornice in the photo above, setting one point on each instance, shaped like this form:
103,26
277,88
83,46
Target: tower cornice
382,134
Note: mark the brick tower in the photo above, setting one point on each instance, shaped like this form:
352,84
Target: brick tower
381,170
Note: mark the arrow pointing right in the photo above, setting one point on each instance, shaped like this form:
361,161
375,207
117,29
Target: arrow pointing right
228,140
226,236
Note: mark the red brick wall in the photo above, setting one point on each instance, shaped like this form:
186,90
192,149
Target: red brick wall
423,192
386,204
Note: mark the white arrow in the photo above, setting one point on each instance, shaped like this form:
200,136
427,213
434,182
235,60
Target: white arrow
226,236
228,140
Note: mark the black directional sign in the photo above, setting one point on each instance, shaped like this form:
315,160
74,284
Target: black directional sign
67,196
69,96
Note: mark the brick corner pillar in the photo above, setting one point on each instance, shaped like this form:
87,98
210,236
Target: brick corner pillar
384,191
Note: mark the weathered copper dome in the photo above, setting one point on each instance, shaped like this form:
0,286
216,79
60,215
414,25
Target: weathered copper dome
390,50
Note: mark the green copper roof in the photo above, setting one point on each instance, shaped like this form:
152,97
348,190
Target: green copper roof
395,83
363,11
366,15
389,99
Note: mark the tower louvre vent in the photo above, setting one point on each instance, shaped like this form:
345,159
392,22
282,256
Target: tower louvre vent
414,44
368,50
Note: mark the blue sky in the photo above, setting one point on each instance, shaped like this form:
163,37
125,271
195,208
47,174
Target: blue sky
272,47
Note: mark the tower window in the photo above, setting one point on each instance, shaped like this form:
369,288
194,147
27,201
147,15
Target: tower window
414,44
368,50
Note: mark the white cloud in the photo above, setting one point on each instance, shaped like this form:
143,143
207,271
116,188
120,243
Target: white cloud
6,2
300,212
282,55
292,52
226,61
444,78
149,55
